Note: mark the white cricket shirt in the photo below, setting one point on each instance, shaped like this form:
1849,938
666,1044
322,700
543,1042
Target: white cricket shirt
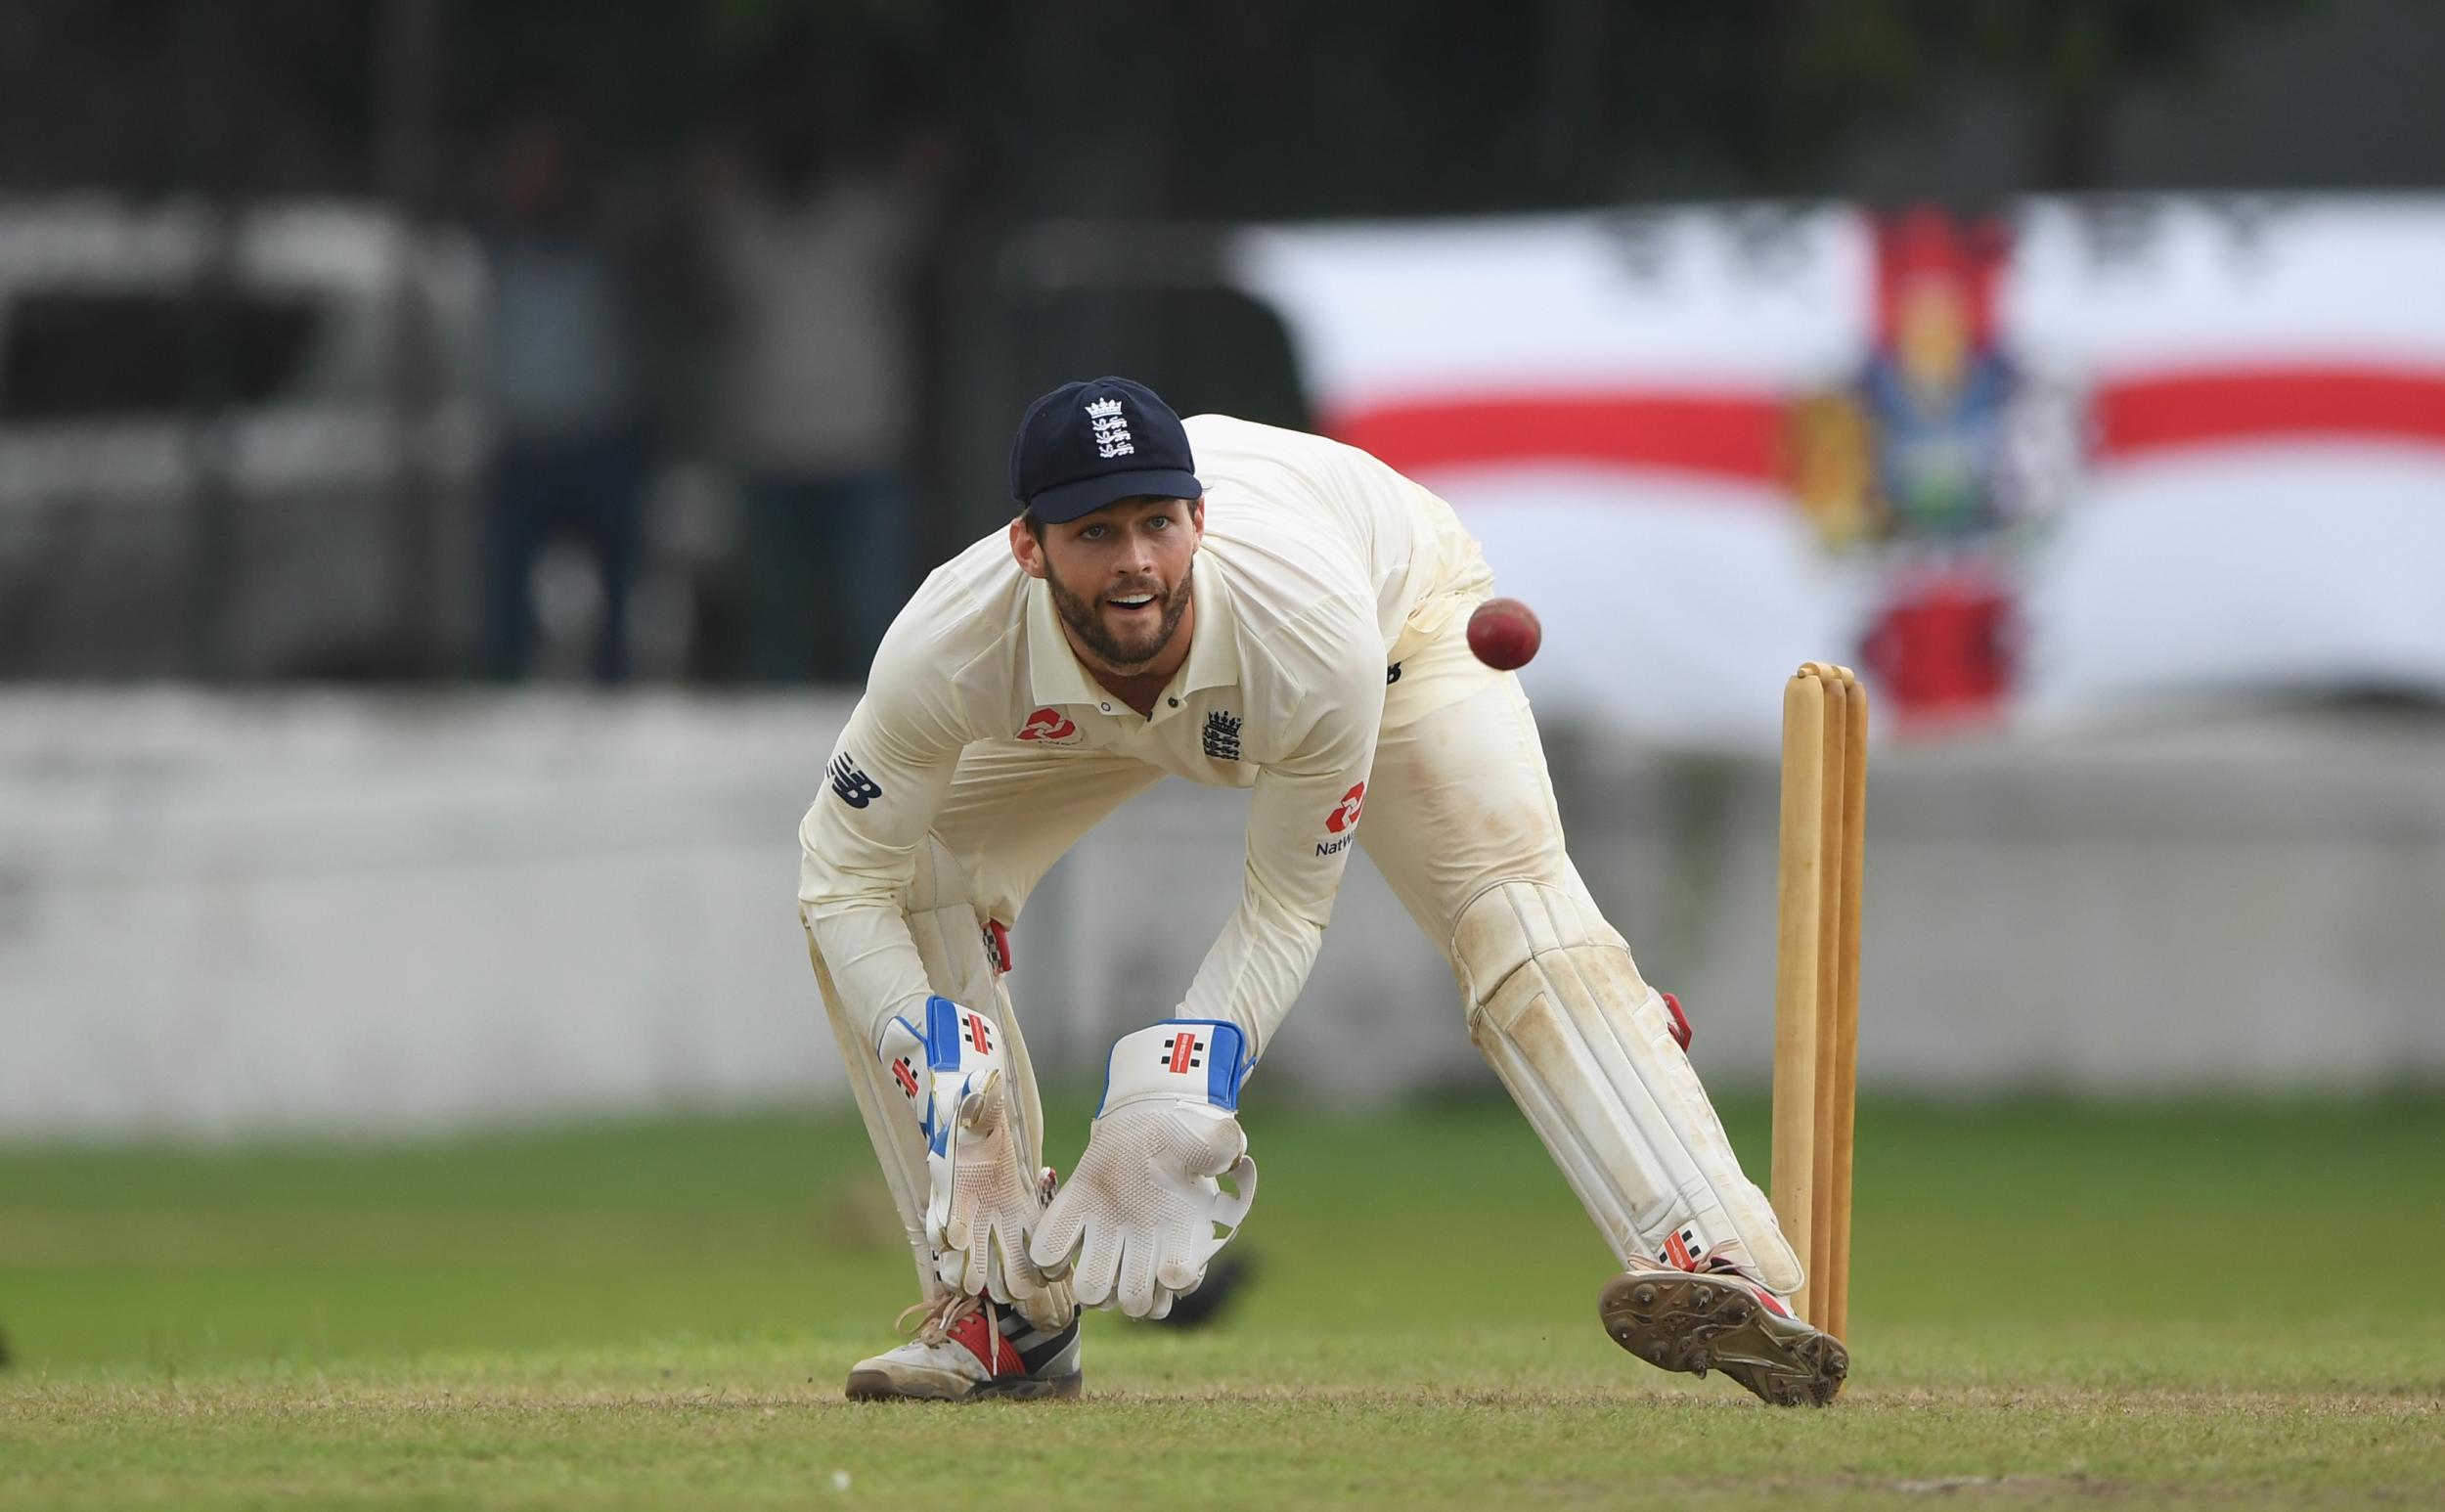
1320,568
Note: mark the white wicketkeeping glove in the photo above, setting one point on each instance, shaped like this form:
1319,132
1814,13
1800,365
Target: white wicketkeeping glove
1137,1217
981,1198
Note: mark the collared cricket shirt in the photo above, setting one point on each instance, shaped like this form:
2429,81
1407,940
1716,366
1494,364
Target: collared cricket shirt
1320,570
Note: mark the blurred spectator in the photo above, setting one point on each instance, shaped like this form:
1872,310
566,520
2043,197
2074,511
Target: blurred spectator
571,443
818,377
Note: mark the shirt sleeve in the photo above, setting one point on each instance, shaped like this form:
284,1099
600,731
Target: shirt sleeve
857,842
1302,818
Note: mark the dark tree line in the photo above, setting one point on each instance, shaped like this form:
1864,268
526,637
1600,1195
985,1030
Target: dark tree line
1261,107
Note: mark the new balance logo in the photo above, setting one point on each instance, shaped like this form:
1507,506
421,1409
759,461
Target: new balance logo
855,787
1183,1053
1222,735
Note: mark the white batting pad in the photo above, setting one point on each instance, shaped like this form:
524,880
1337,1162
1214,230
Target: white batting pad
1585,1047
890,1108
950,939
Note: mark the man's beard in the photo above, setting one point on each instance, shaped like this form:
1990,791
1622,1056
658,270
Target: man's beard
1084,622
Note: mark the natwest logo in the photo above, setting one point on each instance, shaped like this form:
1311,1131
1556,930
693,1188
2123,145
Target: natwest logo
1049,726
1346,814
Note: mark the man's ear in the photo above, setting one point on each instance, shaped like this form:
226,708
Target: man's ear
1026,550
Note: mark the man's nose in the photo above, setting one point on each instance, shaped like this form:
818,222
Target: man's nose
1137,557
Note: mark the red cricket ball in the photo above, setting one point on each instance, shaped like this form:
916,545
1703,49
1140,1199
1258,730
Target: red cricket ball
1504,632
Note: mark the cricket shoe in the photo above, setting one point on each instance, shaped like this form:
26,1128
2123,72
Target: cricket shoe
965,1348
1708,1315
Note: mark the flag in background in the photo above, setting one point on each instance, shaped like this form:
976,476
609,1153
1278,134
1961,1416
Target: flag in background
2092,452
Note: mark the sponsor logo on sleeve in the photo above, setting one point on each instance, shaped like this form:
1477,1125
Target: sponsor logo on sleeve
1222,735
1343,822
854,786
1050,727
1345,813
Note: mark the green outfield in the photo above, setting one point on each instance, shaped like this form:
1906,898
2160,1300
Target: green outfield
2210,1304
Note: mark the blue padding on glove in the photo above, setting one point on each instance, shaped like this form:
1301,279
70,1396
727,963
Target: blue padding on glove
1200,1057
942,1034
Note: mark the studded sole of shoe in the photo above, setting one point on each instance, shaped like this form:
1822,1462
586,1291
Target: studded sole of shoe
1697,1323
879,1386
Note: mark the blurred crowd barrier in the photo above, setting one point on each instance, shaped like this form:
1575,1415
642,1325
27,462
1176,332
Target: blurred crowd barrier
349,912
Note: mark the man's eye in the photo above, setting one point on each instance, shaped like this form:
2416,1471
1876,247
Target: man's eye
1091,533
1158,522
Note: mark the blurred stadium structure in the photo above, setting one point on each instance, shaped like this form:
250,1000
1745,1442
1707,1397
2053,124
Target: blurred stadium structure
315,910
247,423
254,487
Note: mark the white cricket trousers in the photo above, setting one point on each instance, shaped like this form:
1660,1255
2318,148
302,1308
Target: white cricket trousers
1458,802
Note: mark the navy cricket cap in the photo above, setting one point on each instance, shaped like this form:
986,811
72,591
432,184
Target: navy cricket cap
1084,445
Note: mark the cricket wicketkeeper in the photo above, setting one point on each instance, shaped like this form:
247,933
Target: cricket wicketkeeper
1248,607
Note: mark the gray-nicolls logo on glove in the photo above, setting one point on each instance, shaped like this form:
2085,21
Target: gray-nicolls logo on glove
1134,1224
981,1198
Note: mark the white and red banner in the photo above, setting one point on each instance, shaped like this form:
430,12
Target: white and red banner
2092,453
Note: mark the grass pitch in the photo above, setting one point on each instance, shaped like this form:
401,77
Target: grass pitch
2205,1304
